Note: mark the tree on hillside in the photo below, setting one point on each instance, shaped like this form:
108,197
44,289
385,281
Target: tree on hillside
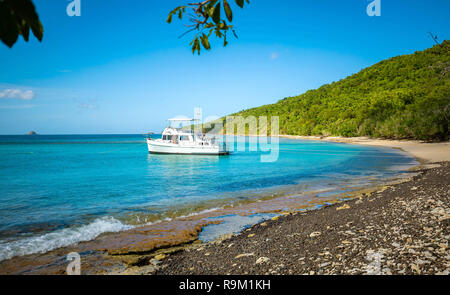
404,97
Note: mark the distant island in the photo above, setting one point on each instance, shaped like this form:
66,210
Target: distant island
32,133
404,97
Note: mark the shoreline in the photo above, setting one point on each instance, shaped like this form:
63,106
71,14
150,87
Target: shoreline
401,229
124,255
424,152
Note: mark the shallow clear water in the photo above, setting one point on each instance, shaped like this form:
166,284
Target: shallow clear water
58,190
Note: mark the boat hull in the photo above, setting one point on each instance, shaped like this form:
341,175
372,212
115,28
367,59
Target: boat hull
155,147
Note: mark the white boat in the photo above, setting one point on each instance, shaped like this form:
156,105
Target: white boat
182,141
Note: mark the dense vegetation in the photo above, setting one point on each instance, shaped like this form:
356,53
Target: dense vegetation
403,97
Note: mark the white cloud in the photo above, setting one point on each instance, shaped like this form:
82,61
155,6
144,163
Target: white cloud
17,94
274,55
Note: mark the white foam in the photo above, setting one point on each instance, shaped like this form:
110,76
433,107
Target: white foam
61,238
70,236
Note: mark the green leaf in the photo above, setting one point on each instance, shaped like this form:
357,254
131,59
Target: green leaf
196,46
24,30
18,17
38,30
205,42
216,13
240,3
193,45
225,40
169,18
234,33
179,10
8,29
228,11
218,32
209,8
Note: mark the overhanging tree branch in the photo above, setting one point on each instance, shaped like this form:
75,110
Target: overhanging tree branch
17,17
206,19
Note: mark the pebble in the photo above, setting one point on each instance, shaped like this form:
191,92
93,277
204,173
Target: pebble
315,234
262,260
160,256
244,255
345,206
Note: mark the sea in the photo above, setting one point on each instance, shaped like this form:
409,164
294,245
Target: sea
58,190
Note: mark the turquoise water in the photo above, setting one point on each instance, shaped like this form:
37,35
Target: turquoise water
61,189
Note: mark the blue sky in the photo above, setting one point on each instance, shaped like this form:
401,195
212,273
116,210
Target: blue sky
120,68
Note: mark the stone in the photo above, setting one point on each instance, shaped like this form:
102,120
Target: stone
415,268
315,234
262,260
244,255
345,206
160,257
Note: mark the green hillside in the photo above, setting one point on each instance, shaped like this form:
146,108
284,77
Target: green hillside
403,97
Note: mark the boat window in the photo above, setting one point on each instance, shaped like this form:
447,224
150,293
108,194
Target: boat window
185,137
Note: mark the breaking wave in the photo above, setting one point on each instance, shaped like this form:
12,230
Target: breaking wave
61,238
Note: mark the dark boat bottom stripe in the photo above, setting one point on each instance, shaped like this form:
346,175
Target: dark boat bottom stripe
195,154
